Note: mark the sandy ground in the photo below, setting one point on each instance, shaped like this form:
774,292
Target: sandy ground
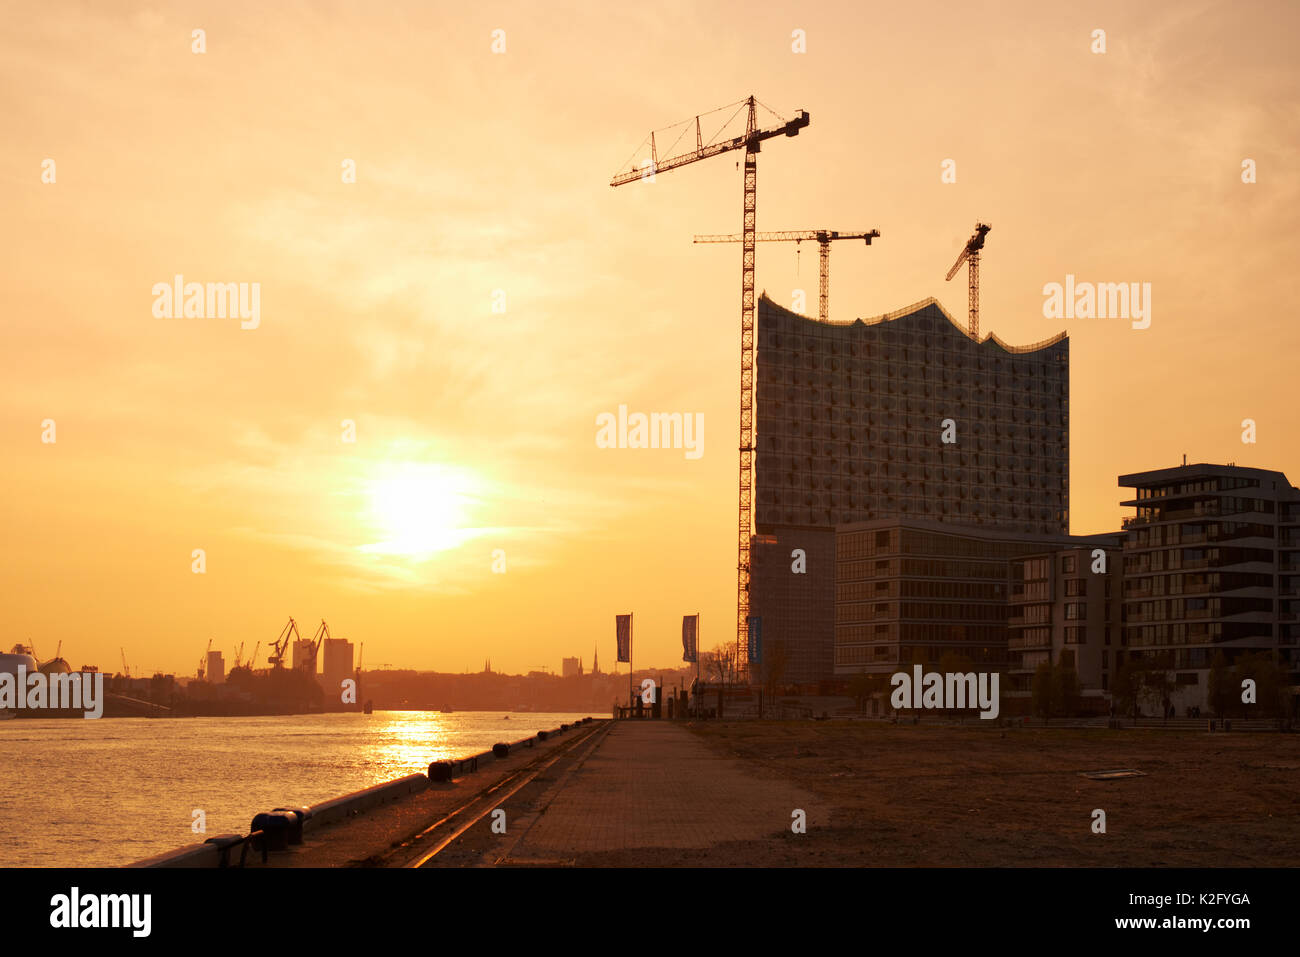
968,796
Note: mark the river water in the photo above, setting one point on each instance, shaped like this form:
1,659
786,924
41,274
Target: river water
109,792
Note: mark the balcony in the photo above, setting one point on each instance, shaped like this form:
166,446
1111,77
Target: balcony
1028,644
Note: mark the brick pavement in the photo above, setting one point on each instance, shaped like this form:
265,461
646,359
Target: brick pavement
652,784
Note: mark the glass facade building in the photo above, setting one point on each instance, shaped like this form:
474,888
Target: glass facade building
902,416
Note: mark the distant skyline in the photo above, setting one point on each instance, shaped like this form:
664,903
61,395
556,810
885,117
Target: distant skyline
481,178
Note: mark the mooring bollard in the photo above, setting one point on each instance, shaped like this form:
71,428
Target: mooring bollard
275,826
500,749
440,771
542,735
298,817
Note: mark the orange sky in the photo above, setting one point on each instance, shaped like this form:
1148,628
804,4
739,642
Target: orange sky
479,171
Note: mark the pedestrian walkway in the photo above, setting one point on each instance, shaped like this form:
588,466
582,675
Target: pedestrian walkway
653,784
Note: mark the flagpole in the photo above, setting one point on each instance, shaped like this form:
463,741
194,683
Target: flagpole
699,688
697,646
630,670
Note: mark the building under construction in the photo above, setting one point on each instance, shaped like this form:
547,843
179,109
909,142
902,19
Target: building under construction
905,416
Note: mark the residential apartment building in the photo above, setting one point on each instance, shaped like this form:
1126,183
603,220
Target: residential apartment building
1067,610
1211,565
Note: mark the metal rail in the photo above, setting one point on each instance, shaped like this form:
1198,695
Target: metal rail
450,827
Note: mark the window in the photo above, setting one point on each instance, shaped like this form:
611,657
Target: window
1076,611
882,539
1074,587
1067,564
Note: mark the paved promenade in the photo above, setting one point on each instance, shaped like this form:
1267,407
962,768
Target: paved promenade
653,784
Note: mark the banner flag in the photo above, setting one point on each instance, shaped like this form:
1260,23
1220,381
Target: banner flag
690,637
623,631
755,640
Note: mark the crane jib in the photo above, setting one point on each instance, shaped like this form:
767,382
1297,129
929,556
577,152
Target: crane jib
750,142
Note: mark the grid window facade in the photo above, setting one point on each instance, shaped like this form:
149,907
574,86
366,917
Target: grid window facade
850,416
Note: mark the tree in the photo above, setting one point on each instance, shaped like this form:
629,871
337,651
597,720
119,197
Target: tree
1126,692
1156,686
1220,685
1065,687
1044,690
722,664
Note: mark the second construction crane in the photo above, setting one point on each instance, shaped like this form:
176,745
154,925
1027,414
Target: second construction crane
823,238
970,254
287,634
751,142
308,664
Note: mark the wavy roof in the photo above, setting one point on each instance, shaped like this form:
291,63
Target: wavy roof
918,307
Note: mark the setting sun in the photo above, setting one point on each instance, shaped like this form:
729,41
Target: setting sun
420,509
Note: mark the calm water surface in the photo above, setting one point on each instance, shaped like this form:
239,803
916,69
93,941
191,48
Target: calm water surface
105,793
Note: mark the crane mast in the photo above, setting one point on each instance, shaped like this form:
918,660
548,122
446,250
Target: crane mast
751,142
970,255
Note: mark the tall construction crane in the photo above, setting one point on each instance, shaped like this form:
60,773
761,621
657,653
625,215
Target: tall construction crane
287,633
126,672
823,238
239,655
751,142
322,633
970,254
252,662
